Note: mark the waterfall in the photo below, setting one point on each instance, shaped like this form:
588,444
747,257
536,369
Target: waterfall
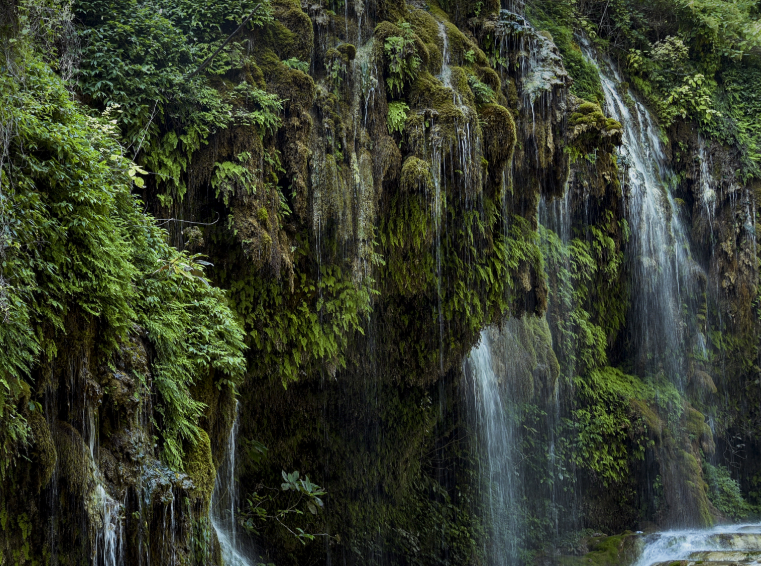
663,272
493,410
109,541
224,504
108,513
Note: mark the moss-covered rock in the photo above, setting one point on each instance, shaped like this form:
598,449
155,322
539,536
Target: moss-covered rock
43,451
499,140
589,128
200,468
416,176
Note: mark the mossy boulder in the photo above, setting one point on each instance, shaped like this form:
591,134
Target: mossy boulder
699,431
499,137
414,55
74,462
43,449
290,34
297,89
617,550
200,468
416,175
348,51
427,28
590,129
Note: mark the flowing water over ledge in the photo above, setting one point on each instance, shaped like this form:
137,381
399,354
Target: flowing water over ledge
721,545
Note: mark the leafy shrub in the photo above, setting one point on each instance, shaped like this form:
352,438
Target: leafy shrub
143,55
402,59
724,492
294,63
75,243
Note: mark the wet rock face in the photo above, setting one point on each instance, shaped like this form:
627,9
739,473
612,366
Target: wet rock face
415,146
95,479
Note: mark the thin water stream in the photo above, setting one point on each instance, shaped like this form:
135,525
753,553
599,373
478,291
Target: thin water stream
224,505
493,410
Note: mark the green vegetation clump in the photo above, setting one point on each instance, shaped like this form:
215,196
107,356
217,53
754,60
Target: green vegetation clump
724,492
200,467
404,54
76,243
689,60
145,57
397,116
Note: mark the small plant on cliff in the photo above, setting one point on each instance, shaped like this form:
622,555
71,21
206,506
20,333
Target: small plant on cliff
483,92
397,116
402,58
295,499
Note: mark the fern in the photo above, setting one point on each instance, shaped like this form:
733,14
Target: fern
397,116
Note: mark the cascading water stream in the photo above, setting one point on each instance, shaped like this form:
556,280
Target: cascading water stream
224,503
109,533
492,408
664,275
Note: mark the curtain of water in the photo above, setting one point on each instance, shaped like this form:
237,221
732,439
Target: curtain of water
664,276
493,410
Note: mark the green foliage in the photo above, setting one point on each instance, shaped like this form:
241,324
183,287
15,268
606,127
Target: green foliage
737,124
584,311
397,116
486,280
402,59
233,177
291,330
297,497
141,55
482,92
607,434
724,492
559,18
689,60
294,63
76,244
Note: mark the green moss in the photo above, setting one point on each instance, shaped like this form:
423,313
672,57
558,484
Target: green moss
296,88
490,77
416,176
424,25
200,468
499,137
74,462
426,28
590,130
618,550
348,50
43,450
291,33
699,431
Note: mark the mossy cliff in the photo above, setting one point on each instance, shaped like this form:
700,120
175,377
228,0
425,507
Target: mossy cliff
318,220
